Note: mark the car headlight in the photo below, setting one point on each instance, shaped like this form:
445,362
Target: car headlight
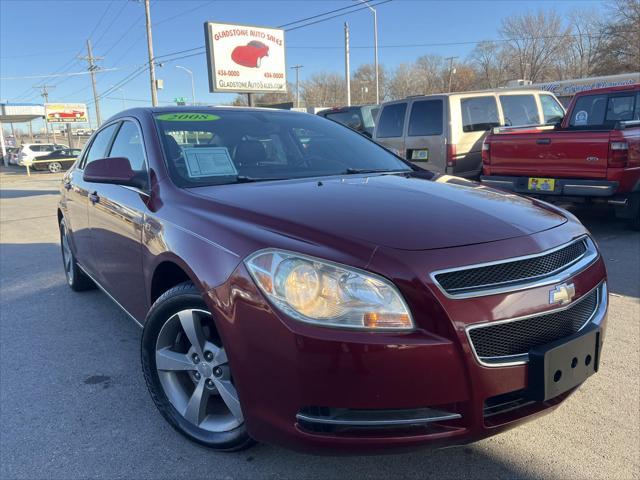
320,292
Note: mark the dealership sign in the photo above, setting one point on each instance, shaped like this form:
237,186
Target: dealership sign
65,112
245,59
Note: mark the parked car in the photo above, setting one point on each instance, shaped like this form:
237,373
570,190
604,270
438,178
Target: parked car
444,132
57,160
287,294
30,151
11,155
359,118
593,155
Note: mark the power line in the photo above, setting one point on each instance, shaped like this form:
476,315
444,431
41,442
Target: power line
335,16
108,27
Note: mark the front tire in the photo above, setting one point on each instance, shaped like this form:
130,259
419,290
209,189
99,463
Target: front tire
187,372
76,278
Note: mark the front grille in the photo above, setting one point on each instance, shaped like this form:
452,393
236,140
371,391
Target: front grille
511,272
517,337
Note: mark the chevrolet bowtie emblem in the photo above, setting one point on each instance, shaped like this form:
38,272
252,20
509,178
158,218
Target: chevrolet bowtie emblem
562,293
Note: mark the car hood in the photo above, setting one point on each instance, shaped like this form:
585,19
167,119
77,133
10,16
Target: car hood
396,211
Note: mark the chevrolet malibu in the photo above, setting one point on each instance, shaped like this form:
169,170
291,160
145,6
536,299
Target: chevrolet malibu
300,285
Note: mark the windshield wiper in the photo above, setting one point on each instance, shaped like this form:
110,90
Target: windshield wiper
245,179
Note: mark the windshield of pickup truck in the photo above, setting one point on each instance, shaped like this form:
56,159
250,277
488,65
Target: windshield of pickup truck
212,147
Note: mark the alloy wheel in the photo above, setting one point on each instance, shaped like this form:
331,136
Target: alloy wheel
194,372
55,167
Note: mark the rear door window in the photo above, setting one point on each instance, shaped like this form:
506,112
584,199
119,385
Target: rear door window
588,111
602,111
519,110
551,109
479,114
391,122
425,118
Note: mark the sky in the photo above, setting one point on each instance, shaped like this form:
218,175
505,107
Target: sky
40,37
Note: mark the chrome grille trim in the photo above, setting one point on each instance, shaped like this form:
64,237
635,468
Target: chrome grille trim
512,360
557,276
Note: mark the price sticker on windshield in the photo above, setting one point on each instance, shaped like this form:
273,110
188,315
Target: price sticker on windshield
209,162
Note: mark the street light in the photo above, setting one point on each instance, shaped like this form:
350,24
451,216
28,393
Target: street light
375,46
193,86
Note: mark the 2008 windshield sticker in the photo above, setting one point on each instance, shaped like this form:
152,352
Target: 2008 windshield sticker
187,117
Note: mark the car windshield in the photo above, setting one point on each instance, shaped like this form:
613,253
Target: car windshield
216,147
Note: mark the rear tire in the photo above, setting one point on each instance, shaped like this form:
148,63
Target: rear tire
187,372
76,278
54,167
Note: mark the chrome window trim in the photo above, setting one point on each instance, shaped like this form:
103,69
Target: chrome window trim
513,360
559,275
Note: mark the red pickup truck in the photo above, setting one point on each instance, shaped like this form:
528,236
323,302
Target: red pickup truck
592,155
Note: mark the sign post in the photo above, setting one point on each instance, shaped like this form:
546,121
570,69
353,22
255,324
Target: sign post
245,59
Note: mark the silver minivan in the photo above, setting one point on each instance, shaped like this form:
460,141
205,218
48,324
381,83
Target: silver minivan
444,132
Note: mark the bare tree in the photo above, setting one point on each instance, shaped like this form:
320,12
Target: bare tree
621,45
490,62
430,69
533,42
579,59
324,90
363,84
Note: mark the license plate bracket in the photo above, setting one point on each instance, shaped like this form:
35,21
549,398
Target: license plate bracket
559,366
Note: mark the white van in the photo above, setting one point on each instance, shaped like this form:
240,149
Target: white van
444,132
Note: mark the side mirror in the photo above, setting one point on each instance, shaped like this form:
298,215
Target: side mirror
113,170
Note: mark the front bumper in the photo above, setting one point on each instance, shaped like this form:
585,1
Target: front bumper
563,186
324,390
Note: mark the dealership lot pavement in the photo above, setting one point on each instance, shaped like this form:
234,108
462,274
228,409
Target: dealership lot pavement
73,403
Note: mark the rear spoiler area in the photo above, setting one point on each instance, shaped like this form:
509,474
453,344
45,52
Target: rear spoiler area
522,129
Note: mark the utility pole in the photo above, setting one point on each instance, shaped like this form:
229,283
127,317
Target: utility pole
451,69
44,93
347,72
152,68
297,69
375,47
92,72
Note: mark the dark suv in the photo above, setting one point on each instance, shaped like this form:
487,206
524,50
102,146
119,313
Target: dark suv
360,118
300,285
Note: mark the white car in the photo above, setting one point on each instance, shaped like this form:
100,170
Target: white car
30,151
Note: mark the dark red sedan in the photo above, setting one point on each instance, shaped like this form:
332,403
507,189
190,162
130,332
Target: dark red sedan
300,285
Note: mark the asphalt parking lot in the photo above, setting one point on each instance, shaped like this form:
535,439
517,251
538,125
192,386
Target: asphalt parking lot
73,403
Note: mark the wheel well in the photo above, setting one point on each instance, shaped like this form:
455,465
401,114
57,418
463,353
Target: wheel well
167,275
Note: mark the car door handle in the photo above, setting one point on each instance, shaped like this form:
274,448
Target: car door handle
543,141
94,197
